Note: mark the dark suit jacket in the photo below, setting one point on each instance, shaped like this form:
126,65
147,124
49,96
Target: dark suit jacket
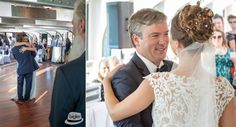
68,93
127,80
26,61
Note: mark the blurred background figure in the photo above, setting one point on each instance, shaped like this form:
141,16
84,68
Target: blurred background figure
231,35
37,44
68,45
45,47
67,49
224,64
103,69
55,41
5,48
218,22
113,61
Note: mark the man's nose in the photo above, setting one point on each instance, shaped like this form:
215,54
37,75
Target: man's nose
162,40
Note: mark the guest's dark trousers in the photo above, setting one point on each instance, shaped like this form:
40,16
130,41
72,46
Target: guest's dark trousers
20,82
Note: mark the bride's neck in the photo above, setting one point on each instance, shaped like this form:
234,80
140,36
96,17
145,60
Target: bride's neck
185,67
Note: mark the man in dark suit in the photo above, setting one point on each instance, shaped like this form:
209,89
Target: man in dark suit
68,96
26,66
149,34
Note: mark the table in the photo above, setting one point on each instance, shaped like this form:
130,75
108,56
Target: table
58,55
97,115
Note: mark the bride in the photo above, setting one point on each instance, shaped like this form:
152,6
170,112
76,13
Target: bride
189,96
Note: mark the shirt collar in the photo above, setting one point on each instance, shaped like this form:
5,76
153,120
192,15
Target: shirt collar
151,67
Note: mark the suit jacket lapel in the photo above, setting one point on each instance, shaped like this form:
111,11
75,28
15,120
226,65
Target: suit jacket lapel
140,65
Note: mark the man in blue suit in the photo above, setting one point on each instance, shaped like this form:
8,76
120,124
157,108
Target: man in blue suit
148,31
68,96
26,66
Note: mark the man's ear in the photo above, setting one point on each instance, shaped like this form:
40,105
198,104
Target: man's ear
82,25
136,39
179,45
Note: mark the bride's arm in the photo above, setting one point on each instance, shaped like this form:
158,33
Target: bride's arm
140,99
228,118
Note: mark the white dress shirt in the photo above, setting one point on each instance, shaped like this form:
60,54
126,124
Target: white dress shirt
151,67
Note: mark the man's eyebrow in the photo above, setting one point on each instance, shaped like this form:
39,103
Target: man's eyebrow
159,32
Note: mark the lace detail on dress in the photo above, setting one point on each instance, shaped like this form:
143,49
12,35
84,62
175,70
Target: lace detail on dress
176,99
224,93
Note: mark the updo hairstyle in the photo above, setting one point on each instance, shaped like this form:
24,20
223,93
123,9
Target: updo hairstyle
192,24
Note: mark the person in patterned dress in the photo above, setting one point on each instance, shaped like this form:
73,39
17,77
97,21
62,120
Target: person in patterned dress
223,59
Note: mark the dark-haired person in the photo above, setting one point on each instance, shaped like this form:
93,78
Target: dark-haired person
223,59
26,66
231,35
190,95
149,34
218,22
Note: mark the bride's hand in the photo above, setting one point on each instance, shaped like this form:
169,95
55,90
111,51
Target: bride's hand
110,74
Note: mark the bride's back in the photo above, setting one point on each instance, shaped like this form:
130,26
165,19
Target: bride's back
177,99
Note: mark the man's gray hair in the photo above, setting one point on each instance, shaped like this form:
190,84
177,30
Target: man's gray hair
144,17
79,9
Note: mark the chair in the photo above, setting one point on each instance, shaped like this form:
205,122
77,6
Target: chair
1,56
7,58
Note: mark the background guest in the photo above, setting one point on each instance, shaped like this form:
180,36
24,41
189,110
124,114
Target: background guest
218,22
231,35
223,60
113,62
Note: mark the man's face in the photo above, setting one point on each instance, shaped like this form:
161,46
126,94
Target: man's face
153,43
218,24
232,23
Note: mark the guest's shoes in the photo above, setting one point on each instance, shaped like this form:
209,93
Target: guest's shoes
20,102
13,99
30,101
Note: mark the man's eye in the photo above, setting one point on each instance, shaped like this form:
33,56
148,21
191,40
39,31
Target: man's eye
156,35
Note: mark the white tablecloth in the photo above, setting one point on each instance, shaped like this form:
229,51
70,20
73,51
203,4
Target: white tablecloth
58,54
97,115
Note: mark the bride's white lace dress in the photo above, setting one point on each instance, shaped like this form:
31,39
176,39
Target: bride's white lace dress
176,96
